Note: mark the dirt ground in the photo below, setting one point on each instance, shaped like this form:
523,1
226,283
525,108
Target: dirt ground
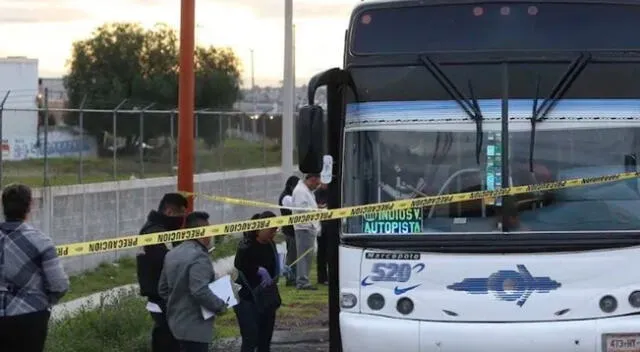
294,334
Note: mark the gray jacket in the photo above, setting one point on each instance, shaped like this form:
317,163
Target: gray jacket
183,285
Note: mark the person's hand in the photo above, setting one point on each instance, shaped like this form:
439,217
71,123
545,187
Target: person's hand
265,278
286,270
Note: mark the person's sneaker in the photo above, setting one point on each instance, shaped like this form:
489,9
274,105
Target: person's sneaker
307,288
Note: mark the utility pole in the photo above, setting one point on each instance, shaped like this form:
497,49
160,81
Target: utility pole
293,70
186,98
287,99
253,85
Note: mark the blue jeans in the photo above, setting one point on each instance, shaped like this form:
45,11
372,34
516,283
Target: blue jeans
256,329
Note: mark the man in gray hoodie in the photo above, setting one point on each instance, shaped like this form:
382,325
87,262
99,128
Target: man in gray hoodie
184,287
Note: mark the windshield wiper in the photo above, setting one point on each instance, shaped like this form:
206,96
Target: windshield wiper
469,106
557,93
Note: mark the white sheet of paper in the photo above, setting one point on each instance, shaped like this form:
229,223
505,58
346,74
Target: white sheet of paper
153,308
223,289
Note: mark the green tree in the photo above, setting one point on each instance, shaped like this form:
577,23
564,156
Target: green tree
125,61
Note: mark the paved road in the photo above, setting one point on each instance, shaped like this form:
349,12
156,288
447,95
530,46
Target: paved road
286,341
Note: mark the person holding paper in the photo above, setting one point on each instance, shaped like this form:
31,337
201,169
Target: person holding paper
257,263
184,285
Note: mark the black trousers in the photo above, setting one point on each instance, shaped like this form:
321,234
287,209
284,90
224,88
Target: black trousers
256,329
190,346
323,269
25,332
162,339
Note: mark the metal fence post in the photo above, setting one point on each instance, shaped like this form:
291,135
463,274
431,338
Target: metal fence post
141,144
221,163
4,100
81,156
115,137
197,134
264,156
46,137
172,120
115,167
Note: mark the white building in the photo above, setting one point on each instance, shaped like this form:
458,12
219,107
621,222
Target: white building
19,85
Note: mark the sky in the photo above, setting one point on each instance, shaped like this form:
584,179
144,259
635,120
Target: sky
46,29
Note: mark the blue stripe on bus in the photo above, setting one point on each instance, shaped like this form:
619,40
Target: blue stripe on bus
605,108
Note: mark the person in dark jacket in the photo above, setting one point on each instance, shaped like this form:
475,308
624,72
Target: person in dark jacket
32,278
168,217
322,198
257,264
289,234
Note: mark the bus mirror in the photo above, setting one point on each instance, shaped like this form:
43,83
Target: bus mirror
310,139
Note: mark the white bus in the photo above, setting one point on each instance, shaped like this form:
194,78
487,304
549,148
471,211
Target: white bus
440,97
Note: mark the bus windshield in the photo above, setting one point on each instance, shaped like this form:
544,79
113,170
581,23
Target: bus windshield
387,165
495,26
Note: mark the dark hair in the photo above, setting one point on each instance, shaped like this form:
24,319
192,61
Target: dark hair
267,214
291,183
252,233
16,202
172,200
264,215
308,176
192,218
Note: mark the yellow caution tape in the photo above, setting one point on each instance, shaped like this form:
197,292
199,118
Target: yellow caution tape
243,202
128,242
300,257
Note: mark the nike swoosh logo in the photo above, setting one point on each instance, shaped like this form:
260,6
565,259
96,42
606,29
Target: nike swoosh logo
399,291
365,283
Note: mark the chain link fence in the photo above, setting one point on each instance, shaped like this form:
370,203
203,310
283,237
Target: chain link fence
97,173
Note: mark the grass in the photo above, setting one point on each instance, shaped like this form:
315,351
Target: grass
104,277
125,325
233,154
299,310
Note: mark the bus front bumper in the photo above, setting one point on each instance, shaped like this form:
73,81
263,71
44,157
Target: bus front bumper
362,332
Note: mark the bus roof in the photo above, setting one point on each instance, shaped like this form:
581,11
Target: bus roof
399,3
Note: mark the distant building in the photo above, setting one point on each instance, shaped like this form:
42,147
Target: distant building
264,97
57,96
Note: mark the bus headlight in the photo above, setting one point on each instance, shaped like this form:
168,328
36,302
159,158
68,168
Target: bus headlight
608,304
405,305
375,301
634,299
348,300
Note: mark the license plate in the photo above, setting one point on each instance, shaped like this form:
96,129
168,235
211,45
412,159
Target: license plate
621,343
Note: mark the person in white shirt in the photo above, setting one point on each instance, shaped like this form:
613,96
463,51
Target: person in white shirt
306,234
